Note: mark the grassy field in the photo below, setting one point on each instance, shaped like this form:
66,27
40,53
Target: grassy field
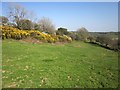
71,65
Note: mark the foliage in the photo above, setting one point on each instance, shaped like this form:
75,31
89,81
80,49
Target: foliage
72,35
62,31
115,45
64,38
12,24
109,34
78,37
105,41
25,24
46,25
14,33
41,36
3,20
91,38
82,34
36,26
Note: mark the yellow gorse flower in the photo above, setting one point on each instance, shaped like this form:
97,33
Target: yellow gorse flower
14,33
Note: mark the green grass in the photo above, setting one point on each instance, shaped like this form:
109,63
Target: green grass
72,65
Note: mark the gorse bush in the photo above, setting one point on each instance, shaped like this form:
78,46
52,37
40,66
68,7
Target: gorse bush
14,33
64,38
41,36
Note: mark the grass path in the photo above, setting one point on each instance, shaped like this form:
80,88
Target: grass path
75,64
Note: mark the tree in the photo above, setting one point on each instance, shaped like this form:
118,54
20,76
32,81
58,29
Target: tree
46,25
82,34
91,38
104,40
16,13
3,20
11,24
36,26
72,35
25,24
62,31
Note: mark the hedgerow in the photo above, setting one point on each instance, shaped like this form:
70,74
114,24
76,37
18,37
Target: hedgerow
14,33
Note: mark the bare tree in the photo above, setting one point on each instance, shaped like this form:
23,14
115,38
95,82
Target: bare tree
17,12
46,25
83,33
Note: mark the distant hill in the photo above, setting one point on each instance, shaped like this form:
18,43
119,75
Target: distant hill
110,34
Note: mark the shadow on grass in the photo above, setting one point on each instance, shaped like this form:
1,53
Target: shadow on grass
47,60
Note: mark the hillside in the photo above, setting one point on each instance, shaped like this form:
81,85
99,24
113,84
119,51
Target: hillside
75,64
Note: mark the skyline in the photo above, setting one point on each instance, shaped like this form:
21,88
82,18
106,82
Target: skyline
94,16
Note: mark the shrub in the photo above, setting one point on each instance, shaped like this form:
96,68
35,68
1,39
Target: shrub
82,34
91,39
3,20
62,31
10,32
64,38
25,24
14,33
